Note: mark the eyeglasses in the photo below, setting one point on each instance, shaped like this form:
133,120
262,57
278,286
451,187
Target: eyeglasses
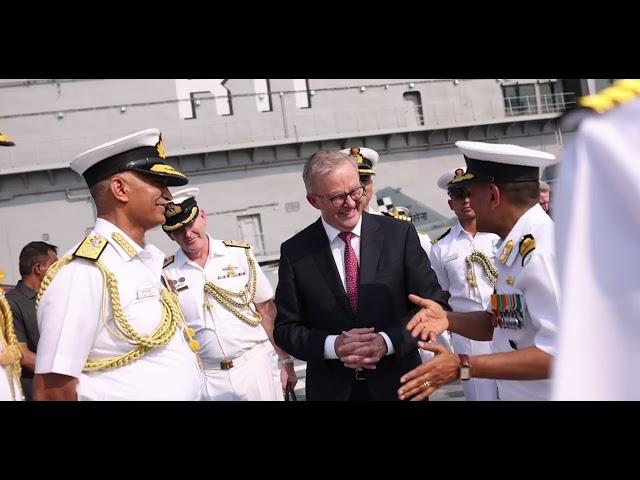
339,200
459,193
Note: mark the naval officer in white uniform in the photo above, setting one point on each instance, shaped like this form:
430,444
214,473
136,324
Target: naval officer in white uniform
598,227
227,301
523,318
463,260
109,328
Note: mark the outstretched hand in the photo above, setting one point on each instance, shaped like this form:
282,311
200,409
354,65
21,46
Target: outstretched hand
423,380
429,322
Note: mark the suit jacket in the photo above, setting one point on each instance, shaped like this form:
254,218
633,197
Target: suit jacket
312,303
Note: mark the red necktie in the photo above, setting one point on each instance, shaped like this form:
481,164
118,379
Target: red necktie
351,272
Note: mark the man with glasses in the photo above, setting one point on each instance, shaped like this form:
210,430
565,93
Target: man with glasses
342,294
463,261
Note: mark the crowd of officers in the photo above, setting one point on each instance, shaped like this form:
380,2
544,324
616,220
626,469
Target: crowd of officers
114,318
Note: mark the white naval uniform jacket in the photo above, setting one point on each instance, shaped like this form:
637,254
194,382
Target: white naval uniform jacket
72,330
537,281
221,334
447,258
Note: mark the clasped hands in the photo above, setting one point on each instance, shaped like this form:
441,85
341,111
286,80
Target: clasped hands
360,348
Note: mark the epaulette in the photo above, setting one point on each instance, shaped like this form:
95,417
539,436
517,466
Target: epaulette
232,243
399,216
399,213
619,93
168,261
91,247
436,240
527,245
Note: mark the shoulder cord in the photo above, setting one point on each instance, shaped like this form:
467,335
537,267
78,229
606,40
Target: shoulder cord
171,316
487,266
234,301
8,339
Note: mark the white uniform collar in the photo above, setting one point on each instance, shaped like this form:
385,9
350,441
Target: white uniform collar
522,227
332,232
106,229
216,249
456,231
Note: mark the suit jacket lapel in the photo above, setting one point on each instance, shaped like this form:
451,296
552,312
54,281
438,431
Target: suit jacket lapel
370,248
327,266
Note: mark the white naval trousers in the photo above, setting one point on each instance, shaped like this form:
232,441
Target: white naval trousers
254,376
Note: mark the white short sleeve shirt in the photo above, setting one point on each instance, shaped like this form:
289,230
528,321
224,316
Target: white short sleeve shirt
221,334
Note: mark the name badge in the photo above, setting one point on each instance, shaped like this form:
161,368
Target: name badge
145,293
450,257
180,284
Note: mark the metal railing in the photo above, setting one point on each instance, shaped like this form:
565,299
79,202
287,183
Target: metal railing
538,104
307,125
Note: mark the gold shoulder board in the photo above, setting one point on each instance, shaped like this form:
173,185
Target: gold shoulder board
232,243
527,245
617,94
91,247
168,261
436,240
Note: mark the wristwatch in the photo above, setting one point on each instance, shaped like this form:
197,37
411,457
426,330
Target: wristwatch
465,368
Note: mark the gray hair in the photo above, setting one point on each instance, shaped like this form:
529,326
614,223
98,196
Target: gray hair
322,162
544,186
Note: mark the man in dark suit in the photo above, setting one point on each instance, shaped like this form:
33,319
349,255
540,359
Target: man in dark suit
343,287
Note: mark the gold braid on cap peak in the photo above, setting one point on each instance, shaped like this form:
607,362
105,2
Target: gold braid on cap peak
619,93
186,221
168,169
11,351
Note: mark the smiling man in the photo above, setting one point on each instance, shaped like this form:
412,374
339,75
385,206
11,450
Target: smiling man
227,300
342,295
109,329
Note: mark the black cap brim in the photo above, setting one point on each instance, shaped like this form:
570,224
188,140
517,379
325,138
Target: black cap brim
172,180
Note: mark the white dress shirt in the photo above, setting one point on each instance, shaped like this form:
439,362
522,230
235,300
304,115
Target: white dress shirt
447,258
337,250
448,261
